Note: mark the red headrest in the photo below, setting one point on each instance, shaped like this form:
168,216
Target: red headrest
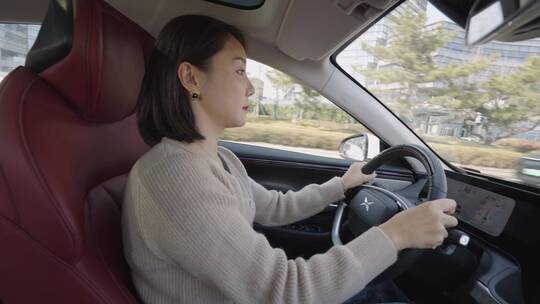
102,73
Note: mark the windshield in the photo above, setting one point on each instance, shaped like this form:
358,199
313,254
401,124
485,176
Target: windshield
477,107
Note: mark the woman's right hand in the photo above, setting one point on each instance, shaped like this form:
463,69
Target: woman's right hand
423,226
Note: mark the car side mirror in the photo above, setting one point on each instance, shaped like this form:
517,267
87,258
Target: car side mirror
360,147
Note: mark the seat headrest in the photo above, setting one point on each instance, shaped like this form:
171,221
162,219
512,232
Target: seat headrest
100,75
55,38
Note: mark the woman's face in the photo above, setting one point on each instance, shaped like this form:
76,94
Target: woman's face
225,87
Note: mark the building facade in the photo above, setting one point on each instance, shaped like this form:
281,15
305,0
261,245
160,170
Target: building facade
15,42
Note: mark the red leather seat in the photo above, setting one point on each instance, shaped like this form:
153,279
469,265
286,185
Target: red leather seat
68,138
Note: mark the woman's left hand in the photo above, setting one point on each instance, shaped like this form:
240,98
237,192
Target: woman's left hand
354,176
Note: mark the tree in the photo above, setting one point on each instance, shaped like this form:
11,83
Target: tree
282,83
308,102
306,98
509,103
408,61
512,102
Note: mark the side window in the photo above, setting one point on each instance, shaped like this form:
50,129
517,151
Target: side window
15,42
287,115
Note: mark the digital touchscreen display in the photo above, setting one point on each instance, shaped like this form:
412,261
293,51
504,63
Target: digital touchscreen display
485,210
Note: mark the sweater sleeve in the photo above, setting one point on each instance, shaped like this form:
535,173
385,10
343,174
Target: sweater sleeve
275,208
195,222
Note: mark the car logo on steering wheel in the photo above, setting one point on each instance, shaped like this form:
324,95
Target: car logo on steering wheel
366,203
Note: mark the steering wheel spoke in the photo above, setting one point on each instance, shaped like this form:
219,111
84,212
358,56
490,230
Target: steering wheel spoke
412,192
338,219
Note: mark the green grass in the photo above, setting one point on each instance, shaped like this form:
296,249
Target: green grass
328,136
451,140
478,156
285,133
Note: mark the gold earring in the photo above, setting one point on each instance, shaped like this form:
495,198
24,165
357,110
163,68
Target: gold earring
195,95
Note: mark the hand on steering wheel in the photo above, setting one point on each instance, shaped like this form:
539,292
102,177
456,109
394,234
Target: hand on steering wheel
422,227
355,177
370,205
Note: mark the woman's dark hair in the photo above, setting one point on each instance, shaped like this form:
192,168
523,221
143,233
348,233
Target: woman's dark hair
163,108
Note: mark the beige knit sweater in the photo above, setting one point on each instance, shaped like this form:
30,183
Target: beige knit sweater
188,236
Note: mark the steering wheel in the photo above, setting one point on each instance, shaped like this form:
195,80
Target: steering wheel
370,205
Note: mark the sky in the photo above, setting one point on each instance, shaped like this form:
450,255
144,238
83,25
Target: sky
258,70
434,15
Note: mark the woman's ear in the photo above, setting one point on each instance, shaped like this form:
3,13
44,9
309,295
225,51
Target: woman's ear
189,76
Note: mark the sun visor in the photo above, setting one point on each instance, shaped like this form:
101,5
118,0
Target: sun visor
314,29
